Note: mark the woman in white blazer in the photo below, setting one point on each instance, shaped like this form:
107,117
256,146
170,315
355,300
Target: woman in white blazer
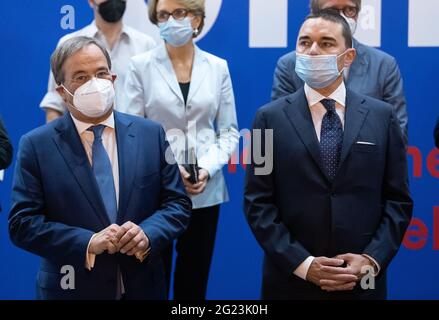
190,93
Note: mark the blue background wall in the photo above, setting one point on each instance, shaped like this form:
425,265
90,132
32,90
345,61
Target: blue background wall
29,32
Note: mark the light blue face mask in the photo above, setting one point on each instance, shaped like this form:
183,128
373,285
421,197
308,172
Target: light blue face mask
176,32
318,71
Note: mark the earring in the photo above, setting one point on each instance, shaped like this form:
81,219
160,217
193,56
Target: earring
196,32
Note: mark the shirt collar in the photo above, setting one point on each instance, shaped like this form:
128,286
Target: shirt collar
93,30
81,127
314,97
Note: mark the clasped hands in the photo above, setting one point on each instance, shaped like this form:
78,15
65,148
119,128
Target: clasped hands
330,274
128,239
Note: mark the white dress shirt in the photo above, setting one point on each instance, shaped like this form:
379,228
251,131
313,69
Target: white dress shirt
318,111
130,43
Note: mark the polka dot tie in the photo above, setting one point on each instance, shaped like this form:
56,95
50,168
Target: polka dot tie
331,139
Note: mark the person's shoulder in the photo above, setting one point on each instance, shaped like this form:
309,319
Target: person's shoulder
372,104
375,53
288,58
45,131
141,60
211,58
87,31
140,37
276,106
140,122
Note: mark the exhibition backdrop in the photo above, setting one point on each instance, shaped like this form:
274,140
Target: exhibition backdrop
251,35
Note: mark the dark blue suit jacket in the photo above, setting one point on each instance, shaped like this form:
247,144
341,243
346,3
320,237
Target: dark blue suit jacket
373,73
295,211
57,207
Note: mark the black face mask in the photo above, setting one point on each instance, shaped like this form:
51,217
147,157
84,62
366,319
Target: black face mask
112,10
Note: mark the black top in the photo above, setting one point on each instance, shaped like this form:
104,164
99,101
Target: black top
184,87
5,148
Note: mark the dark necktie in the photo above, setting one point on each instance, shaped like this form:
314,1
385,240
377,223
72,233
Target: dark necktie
331,139
103,172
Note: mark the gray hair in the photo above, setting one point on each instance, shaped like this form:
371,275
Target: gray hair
68,48
314,5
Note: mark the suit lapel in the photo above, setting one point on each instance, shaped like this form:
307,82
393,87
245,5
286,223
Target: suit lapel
199,71
70,146
299,115
354,118
127,154
164,66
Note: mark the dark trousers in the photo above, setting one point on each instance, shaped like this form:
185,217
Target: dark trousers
194,253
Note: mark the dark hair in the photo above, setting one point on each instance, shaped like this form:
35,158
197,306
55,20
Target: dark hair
69,48
314,5
333,16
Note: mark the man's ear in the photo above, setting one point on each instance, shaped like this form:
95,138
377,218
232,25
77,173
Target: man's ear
91,3
350,56
61,91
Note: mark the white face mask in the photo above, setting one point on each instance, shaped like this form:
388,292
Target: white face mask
94,98
318,71
351,22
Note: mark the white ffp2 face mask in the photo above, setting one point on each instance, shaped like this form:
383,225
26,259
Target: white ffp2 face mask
351,22
94,98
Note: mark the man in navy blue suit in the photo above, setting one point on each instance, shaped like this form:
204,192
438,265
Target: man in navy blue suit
373,73
332,213
96,192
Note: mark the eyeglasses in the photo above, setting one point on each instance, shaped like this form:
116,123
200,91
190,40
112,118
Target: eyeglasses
82,78
177,14
348,11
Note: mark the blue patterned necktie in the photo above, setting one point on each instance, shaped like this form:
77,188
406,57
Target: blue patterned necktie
103,172
331,139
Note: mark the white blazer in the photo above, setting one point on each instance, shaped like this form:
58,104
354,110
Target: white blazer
207,122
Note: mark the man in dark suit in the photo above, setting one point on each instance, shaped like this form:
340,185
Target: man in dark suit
5,148
373,73
96,192
336,205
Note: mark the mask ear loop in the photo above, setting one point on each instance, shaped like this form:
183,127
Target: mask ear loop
344,67
62,85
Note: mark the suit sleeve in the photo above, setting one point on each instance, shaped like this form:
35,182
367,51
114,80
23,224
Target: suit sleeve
226,135
172,217
29,227
394,95
436,133
264,218
132,98
397,204
5,148
283,83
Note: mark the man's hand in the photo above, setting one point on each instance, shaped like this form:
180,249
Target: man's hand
132,239
319,275
105,240
355,264
196,188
